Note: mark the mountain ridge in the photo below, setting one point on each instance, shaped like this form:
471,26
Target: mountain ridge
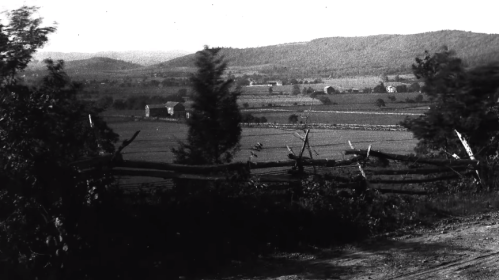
374,54
143,58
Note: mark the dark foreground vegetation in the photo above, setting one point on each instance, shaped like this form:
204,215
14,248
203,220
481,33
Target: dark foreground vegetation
59,223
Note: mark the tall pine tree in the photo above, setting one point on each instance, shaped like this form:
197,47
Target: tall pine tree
214,130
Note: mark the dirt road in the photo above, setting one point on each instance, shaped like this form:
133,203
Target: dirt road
456,248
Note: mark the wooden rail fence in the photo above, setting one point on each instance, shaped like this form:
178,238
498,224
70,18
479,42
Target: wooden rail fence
374,177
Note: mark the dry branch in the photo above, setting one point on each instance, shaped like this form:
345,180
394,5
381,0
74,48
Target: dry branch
127,142
205,169
92,162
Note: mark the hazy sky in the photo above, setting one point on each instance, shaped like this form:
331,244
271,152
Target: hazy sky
112,25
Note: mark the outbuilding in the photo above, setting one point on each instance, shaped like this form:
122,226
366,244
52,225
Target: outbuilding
328,90
175,109
156,110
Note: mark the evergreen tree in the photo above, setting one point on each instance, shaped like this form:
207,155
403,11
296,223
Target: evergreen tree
214,130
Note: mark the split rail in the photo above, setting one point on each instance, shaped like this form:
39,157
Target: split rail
415,171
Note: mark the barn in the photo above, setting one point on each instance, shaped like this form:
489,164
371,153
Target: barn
328,90
274,83
175,109
156,110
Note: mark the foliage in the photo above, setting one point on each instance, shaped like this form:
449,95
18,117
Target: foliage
249,118
316,93
463,100
380,103
325,100
414,87
105,102
230,222
293,118
380,88
384,78
295,90
419,98
42,130
401,88
214,130
19,40
392,98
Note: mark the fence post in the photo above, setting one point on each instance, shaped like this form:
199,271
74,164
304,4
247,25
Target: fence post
467,147
365,182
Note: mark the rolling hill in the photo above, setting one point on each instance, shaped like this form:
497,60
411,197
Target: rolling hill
138,57
99,64
95,67
338,56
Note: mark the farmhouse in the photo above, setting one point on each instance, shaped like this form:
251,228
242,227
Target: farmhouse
274,83
328,90
175,109
156,110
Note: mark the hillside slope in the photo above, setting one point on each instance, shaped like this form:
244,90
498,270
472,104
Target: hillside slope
100,64
138,57
356,55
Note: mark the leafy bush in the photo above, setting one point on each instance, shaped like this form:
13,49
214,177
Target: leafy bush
249,118
419,98
401,88
293,118
380,103
104,102
380,88
325,100
414,87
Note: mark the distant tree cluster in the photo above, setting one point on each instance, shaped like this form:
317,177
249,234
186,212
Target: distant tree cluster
249,118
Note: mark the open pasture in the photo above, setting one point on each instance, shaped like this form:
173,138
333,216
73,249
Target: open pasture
257,101
350,101
156,139
331,117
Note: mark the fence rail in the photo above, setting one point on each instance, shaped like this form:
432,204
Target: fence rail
293,169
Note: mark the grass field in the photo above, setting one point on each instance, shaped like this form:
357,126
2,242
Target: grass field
156,139
334,118
350,101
